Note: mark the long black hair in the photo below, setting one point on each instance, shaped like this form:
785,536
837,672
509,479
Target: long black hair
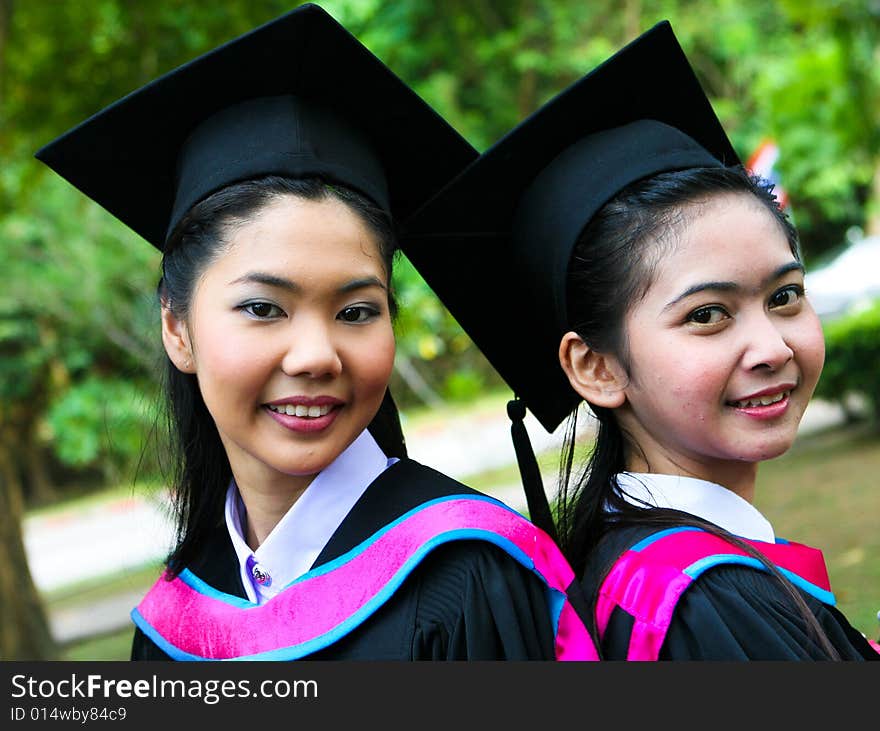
199,468
608,272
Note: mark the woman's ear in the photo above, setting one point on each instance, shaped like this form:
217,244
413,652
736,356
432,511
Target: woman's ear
597,377
175,338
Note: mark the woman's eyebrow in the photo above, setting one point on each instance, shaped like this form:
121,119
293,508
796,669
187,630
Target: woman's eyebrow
362,283
734,286
270,280
273,280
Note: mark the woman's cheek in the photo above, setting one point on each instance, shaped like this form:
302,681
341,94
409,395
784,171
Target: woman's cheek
809,347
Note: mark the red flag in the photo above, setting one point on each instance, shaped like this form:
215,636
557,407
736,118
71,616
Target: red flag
763,163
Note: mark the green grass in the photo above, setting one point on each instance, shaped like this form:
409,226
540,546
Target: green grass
91,590
114,646
491,403
83,502
824,492
548,462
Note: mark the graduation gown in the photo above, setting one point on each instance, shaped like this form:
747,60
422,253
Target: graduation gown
466,600
731,611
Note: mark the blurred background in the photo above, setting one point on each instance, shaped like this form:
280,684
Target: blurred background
796,83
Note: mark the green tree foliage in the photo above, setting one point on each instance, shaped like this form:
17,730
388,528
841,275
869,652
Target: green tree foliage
79,316
852,351
78,313
821,99
78,321
77,309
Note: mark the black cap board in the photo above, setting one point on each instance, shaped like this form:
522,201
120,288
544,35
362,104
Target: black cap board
494,244
297,96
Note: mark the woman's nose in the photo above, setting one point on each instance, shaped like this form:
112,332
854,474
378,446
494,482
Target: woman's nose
311,350
767,345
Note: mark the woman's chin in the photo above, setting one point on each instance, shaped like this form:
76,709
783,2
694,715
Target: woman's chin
766,451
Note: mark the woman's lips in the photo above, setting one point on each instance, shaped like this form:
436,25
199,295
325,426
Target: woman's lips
326,415
301,409
764,407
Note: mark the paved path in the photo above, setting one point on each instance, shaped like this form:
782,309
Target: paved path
67,547
76,622
105,537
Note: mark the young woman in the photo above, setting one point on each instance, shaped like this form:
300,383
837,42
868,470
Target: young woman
648,274
269,172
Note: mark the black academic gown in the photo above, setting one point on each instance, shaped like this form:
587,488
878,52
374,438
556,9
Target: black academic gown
467,600
731,612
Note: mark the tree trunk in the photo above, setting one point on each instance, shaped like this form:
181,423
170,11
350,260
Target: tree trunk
872,219
404,367
41,491
24,628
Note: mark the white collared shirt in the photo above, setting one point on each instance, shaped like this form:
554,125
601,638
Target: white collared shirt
294,543
707,500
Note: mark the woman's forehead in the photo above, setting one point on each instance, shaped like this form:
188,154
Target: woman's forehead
726,238
296,234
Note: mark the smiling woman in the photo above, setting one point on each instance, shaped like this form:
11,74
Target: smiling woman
289,333
665,289
723,350
270,172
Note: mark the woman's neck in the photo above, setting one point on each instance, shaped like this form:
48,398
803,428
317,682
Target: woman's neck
266,504
738,477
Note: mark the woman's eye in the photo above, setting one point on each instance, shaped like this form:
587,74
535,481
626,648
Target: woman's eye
787,296
262,310
357,313
708,315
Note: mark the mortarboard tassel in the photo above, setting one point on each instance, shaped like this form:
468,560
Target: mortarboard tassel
530,473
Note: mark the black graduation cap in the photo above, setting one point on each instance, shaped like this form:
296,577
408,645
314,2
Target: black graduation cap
494,244
297,96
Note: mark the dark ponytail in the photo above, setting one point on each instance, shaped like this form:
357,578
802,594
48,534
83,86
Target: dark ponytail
612,266
578,517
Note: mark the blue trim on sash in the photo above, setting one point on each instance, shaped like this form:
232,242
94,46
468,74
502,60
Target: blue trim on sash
166,647
202,587
556,598
698,567
645,542
556,602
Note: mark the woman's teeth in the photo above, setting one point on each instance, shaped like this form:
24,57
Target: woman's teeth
760,401
312,412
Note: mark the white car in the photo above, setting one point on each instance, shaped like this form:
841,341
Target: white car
850,281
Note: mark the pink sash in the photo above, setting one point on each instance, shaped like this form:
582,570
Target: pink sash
189,620
648,580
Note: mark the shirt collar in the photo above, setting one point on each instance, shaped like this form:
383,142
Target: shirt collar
707,500
294,543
